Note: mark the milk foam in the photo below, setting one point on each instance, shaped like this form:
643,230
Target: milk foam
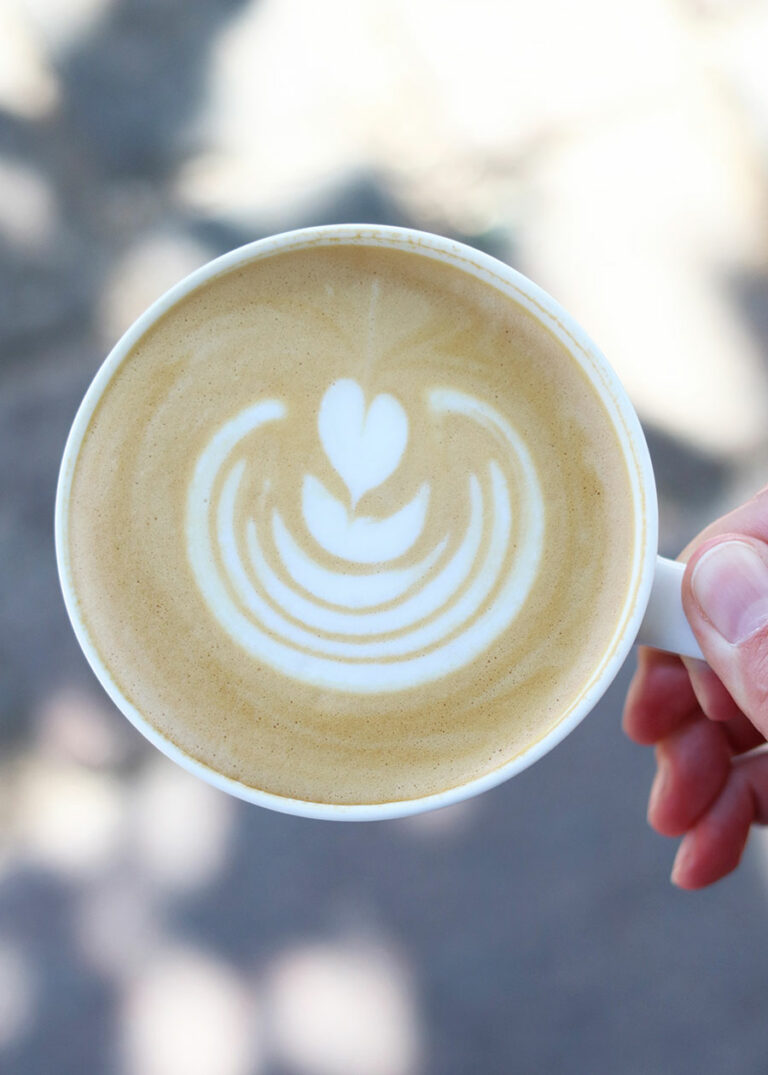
248,644
404,624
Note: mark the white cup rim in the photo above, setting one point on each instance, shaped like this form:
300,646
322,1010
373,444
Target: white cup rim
602,376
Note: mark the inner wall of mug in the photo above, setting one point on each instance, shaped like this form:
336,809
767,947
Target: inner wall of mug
604,381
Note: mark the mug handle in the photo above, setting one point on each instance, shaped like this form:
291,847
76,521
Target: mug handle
664,625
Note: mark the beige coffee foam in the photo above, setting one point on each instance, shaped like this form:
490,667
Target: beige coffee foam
285,328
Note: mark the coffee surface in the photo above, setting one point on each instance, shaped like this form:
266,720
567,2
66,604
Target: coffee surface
349,525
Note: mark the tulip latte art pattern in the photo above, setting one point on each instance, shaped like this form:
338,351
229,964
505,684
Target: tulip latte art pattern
347,605
350,525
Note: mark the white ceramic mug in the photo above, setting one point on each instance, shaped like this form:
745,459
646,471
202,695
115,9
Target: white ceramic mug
652,613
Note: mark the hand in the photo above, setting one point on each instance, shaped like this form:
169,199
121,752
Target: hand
706,720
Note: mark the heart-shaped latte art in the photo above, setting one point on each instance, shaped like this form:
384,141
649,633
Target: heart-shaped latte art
364,446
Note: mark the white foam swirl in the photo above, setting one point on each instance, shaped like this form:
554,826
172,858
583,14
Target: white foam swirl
358,538
367,632
347,590
418,606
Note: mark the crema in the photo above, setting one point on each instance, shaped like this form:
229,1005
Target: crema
350,525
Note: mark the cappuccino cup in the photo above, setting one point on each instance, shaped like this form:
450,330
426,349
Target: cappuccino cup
356,521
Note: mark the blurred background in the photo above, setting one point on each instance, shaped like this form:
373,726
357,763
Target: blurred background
618,154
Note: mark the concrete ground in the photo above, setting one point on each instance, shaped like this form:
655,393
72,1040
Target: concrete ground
617,153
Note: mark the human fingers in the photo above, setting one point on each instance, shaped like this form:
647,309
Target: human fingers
714,846
660,697
711,693
725,596
742,735
693,765
750,521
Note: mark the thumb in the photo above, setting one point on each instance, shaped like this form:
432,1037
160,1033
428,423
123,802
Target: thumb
725,597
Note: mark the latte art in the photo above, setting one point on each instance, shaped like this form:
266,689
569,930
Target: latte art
350,524
402,625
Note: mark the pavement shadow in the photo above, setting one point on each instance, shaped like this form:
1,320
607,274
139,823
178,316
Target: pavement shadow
135,82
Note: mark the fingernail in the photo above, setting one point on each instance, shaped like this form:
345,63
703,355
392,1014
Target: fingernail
682,858
730,584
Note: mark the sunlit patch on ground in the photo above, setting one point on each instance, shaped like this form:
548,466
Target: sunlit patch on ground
81,726
180,827
186,1013
148,268
449,821
27,205
119,924
61,23
17,993
66,818
28,85
344,1008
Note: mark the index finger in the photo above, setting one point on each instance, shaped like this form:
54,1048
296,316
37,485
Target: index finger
660,697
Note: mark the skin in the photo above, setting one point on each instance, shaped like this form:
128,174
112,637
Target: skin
705,721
